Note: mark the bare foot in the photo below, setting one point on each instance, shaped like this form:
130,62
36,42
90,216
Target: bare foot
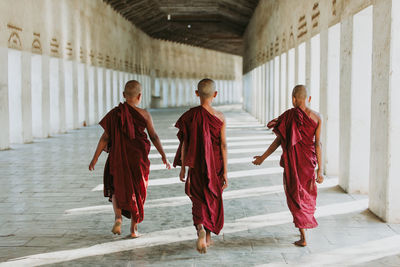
300,243
134,231
116,230
208,239
201,241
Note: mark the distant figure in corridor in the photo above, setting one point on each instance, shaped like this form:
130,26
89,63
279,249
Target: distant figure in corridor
203,148
298,132
126,172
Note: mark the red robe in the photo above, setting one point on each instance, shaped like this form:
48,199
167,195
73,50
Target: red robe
297,132
201,132
127,168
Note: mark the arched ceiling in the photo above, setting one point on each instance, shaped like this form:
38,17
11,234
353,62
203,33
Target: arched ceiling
217,24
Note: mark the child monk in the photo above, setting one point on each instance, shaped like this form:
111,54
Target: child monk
202,148
298,132
126,172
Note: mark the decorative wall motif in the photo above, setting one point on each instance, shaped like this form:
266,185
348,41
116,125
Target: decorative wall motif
68,50
315,15
277,45
82,55
333,7
36,44
302,28
54,47
14,41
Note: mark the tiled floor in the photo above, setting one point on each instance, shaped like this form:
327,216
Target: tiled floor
52,213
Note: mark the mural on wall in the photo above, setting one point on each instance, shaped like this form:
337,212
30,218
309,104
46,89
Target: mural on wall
54,47
315,15
36,44
68,51
14,41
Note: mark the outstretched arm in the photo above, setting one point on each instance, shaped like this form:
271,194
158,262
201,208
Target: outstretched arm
100,147
224,154
271,149
156,140
318,151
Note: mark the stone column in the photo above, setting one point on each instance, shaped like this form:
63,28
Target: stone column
384,197
86,92
324,90
308,63
75,97
61,100
26,94
4,111
346,49
104,88
45,95
96,95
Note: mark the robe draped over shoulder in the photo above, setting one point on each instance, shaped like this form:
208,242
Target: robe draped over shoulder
297,133
201,132
127,168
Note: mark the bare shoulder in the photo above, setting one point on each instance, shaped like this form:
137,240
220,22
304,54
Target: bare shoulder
220,115
316,116
144,113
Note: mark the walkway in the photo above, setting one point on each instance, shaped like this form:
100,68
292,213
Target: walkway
52,210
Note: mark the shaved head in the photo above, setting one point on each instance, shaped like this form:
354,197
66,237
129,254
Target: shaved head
206,88
300,92
132,88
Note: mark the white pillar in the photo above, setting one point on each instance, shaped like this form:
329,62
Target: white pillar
86,92
346,49
45,95
324,90
62,98
384,197
332,117
26,94
96,95
4,112
315,62
283,82
75,95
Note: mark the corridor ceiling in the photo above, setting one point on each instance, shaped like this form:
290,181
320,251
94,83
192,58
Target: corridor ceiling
213,24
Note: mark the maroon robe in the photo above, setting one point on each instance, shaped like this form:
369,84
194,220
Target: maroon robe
201,132
127,168
297,132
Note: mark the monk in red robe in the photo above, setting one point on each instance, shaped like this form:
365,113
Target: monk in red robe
202,148
126,172
298,132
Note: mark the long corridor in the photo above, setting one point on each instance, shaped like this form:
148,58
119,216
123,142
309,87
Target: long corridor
53,210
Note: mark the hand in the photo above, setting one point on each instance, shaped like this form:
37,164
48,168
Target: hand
92,164
166,162
320,177
182,174
225,182
258,160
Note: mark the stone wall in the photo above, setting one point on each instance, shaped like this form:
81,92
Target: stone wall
278,25
64,64
90,31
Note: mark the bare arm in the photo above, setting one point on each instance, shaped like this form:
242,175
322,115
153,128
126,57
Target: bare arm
318,151
100,147
271,149
224,154
183,167
156,140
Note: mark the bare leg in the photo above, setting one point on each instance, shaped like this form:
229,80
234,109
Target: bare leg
201,239
134,228
302,242
118,217
208,238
